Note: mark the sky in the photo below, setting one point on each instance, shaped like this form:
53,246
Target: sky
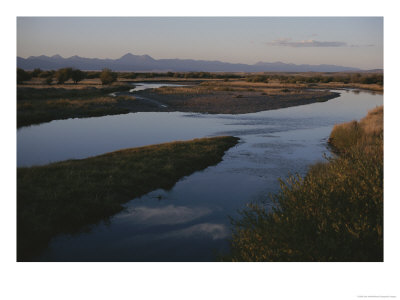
347,41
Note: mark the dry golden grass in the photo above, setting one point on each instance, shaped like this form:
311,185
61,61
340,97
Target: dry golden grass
235,86
372,124
364,133
334,213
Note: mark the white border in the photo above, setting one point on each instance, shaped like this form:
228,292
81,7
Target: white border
198,280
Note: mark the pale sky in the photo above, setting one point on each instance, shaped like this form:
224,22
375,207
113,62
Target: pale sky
347,41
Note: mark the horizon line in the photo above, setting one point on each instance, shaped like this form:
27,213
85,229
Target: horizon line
274,62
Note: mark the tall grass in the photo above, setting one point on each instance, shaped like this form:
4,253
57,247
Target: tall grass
334,213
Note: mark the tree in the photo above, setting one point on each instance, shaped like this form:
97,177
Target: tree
36,72
45,74
77,75
62,75
107,76
22,75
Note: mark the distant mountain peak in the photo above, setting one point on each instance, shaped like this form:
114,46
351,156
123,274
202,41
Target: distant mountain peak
57,56
40,56
147,57
128,55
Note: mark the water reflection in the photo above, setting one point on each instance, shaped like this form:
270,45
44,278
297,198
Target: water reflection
80,138
190,221
169,214
213,231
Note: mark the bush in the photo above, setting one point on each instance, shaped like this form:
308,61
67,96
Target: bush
62,75
46,74
36,72
344,136
108,77
22,75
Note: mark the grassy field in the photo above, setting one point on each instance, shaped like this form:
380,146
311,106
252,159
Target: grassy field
63,197
334,213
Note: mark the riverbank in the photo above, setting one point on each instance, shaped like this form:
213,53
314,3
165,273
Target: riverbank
216,97
334,213
43,103
67,196
36,105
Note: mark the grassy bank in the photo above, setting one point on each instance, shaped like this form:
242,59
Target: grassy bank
37,105
334,213
63,197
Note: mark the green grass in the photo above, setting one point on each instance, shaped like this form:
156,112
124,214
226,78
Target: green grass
38,105
46,93
334,213
40,111
63,197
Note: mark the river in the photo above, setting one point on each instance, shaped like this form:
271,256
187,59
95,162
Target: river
189,222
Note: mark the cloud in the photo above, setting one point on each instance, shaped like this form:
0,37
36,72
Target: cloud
306,43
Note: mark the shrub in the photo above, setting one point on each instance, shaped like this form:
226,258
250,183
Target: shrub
108,77
36,72
46,74
343,136
22,75
62,75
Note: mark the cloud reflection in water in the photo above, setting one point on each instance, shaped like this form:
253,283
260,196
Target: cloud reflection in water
168,215
214,231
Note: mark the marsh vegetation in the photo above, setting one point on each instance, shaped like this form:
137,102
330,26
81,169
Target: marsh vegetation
334,213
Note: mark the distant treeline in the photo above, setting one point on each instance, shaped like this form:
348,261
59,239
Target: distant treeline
62,75
23,75
317,78
77,75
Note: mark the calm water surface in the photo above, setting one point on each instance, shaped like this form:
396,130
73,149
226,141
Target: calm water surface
189,222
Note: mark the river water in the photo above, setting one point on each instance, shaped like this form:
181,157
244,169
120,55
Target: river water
190,222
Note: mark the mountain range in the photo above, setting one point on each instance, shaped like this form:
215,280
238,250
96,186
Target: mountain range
145,63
